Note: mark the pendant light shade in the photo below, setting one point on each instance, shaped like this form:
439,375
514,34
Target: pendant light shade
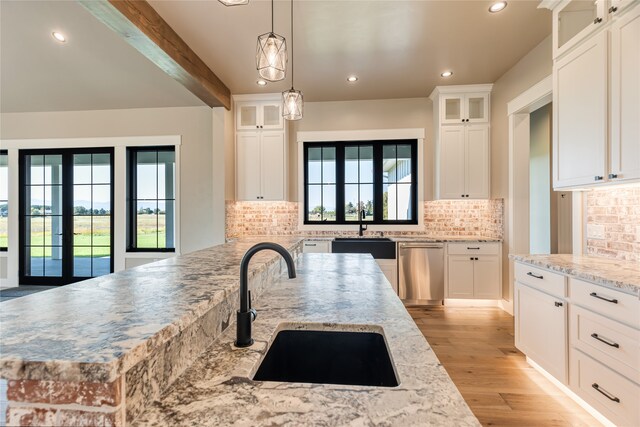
271,57
292,104
234,2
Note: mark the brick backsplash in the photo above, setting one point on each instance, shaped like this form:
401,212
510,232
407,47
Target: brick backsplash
482,218
617,211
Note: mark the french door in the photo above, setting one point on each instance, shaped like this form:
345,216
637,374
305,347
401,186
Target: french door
66,221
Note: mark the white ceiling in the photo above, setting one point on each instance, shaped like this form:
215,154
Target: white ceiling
397,48
95,69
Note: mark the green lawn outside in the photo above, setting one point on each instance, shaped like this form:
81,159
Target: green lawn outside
83,239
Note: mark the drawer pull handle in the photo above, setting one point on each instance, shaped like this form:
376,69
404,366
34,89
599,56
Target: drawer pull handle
310,244
613,301
477,249
535,275
558,304
607,342
604,393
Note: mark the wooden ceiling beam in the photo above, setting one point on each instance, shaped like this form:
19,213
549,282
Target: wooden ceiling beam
144,29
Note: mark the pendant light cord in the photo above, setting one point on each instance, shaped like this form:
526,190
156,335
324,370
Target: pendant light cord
291,44
271,16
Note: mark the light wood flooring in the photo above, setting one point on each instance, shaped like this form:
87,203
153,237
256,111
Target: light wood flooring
476,347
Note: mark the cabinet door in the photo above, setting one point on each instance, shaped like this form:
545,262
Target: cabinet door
247,116
580,115
452,109
271,114
273,166
574,20
541,329
616,6
248,174
477,161
460,276
451,165
486,278
477,107
625,97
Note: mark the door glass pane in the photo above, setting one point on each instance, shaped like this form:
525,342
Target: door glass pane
36,260
82,199
248,115
53,261
101,168
53,169
82,261
82,230
101,261
53,230
36,231
101,230
35,197
101,199
271,115
575,17
476,108
36,170
452,108
53,199
82,168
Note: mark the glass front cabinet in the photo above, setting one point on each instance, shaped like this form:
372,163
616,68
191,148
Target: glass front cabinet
464,108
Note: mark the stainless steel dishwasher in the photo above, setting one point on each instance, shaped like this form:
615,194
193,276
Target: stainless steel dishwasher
421,273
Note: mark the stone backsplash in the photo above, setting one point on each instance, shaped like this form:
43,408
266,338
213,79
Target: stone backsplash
613,223
482,218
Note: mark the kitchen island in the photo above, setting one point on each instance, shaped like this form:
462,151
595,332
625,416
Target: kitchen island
153,346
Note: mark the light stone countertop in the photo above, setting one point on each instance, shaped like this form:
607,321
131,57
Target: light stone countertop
97,329
616,274
331,291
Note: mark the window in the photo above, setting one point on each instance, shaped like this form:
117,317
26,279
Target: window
4,199
151,199
344,178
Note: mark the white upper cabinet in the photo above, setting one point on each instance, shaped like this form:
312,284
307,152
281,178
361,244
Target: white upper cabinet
573,20
462,141
261,149
252,115
625,98
596,78
464,108
580,109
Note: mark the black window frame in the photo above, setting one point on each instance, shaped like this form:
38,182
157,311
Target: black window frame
132,199
378,184
6,153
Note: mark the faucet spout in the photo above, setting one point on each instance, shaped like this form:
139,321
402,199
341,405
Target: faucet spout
246,314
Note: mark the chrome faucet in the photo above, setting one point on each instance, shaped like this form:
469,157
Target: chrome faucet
361,216
246,314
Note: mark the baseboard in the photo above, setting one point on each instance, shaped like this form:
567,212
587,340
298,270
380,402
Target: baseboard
566,390
506,306
471,302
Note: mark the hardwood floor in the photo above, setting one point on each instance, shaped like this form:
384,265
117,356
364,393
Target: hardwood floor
476,347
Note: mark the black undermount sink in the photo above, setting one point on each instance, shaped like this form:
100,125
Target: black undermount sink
328,357
379,247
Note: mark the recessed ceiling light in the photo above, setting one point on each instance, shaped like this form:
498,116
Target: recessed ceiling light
497,6
59,36
261,82
446,74
352,79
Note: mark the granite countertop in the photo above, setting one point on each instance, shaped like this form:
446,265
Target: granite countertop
97,329
616,274
331,291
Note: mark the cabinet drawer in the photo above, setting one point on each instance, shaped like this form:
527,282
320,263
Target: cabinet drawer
316,246
608,302
607,391
473,248
608,341
545,280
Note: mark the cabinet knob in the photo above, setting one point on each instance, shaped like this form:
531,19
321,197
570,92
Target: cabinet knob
613,175
597,20
598,178
613,9
462,120
558,304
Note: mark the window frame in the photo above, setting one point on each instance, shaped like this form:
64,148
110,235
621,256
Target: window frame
378,184
6,153
131,201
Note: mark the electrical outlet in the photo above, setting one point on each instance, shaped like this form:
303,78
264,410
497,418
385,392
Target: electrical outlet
595,231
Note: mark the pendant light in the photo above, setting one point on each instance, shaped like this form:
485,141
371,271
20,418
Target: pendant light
292,100
271,55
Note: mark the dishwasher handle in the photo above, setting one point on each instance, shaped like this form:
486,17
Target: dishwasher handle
421,245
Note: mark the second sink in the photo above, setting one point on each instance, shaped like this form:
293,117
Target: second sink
379,247
328,357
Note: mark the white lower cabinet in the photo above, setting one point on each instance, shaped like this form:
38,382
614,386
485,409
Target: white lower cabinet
389,268
541,329
595,350
474,271
316,246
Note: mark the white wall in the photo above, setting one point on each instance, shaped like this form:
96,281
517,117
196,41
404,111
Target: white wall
540,181
202,168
